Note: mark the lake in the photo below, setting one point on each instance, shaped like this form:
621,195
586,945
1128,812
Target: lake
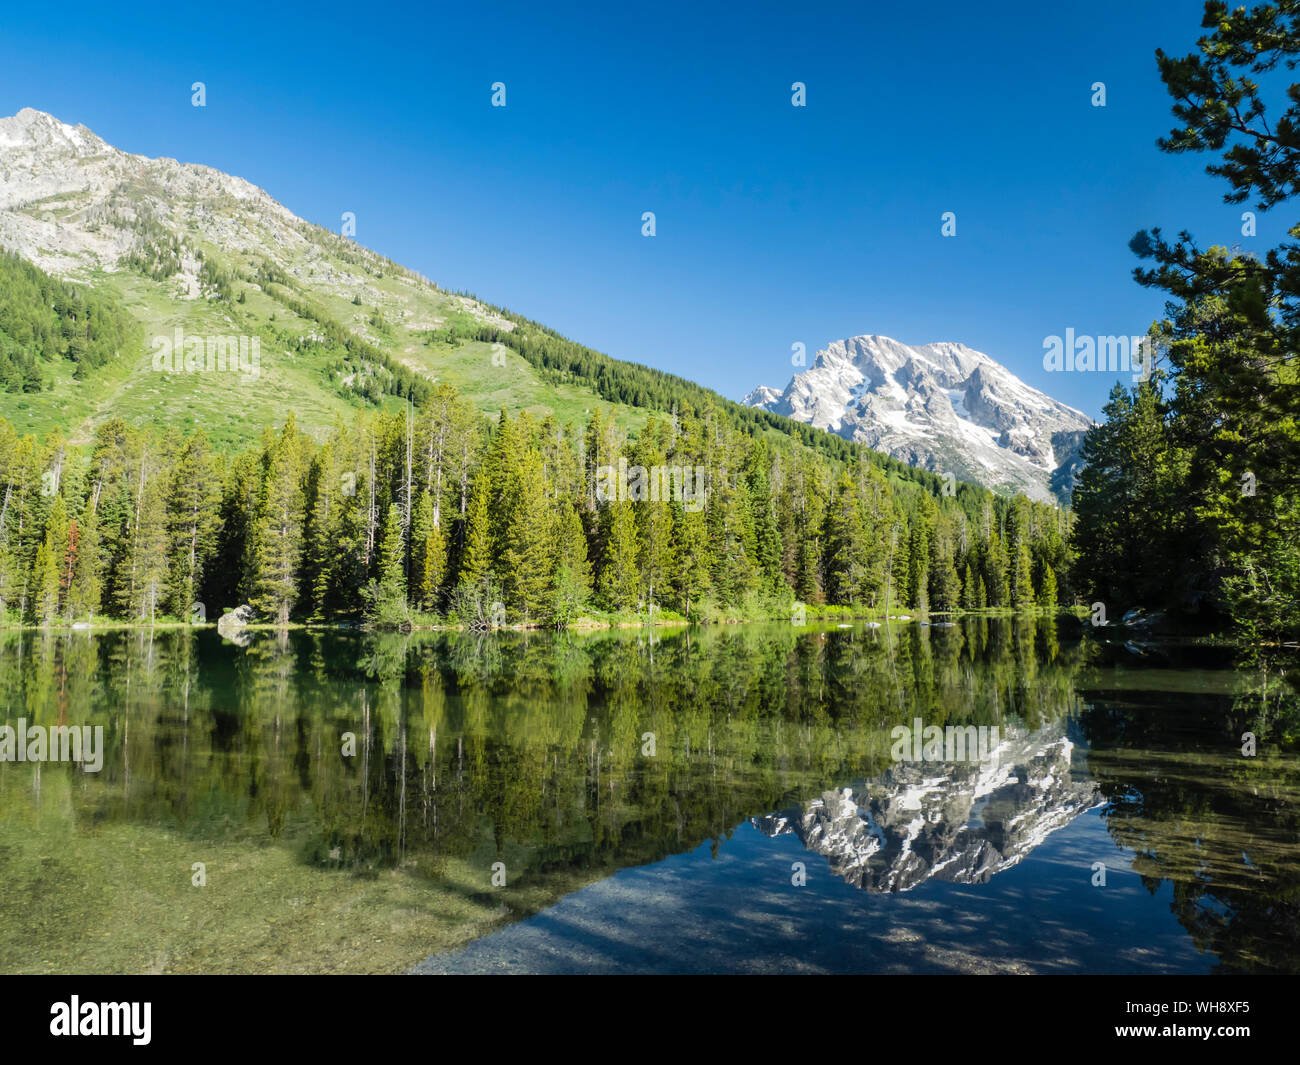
732,799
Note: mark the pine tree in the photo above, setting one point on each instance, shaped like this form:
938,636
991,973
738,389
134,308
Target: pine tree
1190,500
142,586
1023,586
276,543
428,555
944,585
392,556
526,545
617,581
690,578
919,576
900,564
49,557
385,597
1047,594
502,460
733,544
83,595
655,529
476,559
193,520
997,580
68,566
843,536
321,534
570,583
1132,525
225,582
768,549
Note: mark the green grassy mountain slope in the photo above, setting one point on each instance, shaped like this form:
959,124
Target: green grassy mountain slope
183,247
340,327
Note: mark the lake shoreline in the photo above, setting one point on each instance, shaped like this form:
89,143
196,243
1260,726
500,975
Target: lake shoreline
585,624
1165,633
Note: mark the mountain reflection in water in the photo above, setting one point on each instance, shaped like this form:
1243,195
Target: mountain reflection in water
955,821
564,764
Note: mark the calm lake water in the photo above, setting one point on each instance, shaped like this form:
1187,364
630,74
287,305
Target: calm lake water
691,801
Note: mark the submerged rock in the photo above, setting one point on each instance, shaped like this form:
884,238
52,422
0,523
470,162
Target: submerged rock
1137,618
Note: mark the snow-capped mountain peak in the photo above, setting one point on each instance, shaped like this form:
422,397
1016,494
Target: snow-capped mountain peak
944,407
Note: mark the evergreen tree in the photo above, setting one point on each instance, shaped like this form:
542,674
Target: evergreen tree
844,544
997,578
768,548
1047,593
428,555
527,548
1216,430
617,581
968,592
193,520
386,606
476,559
919,576
392,556
657,561
83,594
733,543
276,542
570,584
501,461
1023,586
142,587
690,577
49,557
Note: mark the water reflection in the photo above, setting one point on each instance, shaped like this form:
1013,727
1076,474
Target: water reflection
432,757
960,822
1222,827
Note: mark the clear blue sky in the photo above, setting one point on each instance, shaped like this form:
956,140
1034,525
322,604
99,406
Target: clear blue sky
775,224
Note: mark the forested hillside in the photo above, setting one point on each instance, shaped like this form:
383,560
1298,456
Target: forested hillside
404,452
42,318
441,511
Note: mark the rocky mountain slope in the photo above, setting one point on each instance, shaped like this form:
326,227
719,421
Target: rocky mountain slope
944,407
187,247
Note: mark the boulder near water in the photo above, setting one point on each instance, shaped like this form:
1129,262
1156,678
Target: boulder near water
231,625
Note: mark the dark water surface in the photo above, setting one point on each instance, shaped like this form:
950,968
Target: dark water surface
698,801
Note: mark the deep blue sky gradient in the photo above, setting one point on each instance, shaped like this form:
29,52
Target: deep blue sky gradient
775,224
